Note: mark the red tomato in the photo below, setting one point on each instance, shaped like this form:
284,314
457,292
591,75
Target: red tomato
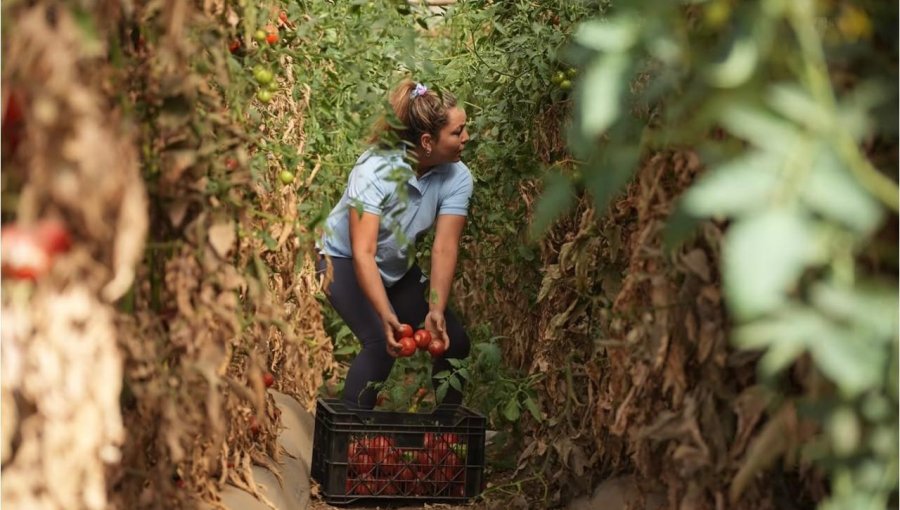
380,447
436,348
364,486
54,236
268,379
390,465
283,16
271,38
424,459
423,338
362,464
253,426
407,346
405,331
24,256
450,468
389,489
234,46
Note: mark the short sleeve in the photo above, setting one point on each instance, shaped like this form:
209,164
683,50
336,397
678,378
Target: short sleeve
455,200
365,190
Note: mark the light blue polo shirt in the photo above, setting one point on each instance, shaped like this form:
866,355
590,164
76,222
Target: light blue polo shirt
383,183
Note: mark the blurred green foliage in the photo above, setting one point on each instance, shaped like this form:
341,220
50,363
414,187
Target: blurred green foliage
792,105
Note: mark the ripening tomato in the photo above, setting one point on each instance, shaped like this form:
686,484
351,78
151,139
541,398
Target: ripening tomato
268,379
259,35
407,346
422,338
436,348
405,331
283,17
264,95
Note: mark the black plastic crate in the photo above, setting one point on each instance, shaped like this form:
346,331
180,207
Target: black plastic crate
380,455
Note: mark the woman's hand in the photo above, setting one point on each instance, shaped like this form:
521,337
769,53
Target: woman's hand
437,326
391,324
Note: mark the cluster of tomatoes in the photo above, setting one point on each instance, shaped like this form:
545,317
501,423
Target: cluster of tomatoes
421,340
563,78
377,467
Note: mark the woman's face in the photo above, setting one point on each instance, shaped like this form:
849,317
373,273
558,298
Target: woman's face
452,138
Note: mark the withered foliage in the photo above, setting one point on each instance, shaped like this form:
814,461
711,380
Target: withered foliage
639,376
62,369
134,372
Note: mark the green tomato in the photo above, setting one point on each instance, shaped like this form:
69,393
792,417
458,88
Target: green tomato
273,86
260,35
286,177
264,95
565,84
558,77
571,72
263,76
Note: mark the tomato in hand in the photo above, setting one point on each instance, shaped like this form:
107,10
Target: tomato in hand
405,330
422,338
407,346
436,348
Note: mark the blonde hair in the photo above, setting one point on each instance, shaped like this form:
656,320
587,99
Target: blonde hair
416,114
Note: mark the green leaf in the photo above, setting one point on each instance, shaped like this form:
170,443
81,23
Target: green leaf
832,191
761,128
511,410
533,408
443,374
454,382
607,176
605,80
441,391
738,66
735,188
556,199
871,309
617,34
763,256
854,364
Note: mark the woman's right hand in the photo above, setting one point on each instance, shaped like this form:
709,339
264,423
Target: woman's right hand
391,324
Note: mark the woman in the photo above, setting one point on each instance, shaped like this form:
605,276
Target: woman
411,180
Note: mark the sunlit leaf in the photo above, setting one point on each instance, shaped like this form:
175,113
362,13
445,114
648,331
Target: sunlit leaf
613,35
832,191
854,364
759,127
605,79
763,257
738,66
735,188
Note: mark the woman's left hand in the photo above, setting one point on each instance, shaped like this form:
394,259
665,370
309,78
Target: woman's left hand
437,326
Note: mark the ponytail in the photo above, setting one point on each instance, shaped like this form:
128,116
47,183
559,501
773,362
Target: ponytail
416,110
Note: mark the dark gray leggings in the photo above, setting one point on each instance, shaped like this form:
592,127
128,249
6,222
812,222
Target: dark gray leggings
373,364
